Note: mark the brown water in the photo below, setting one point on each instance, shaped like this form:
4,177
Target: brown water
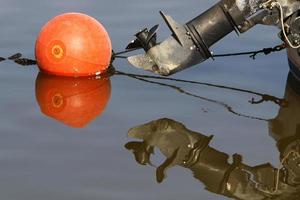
43,155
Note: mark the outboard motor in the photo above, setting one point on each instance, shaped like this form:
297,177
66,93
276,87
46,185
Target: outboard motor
190,43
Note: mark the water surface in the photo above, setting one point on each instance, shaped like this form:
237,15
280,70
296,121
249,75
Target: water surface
46,156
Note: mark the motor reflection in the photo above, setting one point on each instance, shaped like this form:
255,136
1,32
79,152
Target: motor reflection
285,129
74,102
191,150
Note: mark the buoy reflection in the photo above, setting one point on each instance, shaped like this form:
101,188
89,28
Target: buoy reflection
73,101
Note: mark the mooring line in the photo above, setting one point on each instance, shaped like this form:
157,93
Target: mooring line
17,58
253,54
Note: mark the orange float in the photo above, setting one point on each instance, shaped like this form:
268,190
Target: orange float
72,101
73,44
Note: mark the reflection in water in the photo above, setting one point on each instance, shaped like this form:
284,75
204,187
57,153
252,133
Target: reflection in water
72,101
263,97
191,150
157,81
154,80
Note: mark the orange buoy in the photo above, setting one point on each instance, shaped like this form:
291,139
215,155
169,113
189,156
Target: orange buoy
73,44
72,101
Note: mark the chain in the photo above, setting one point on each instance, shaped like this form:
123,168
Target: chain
17,58
25,61
253,54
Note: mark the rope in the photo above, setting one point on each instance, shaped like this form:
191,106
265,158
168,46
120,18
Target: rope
270,5
17,58
279,6
126,51
25,61
253,54
118,54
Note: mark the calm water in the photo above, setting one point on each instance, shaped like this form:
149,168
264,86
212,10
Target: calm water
44,156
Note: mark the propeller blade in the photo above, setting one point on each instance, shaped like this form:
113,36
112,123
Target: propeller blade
134,44
152,33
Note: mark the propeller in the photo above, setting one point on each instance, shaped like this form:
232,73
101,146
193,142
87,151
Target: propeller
145,39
